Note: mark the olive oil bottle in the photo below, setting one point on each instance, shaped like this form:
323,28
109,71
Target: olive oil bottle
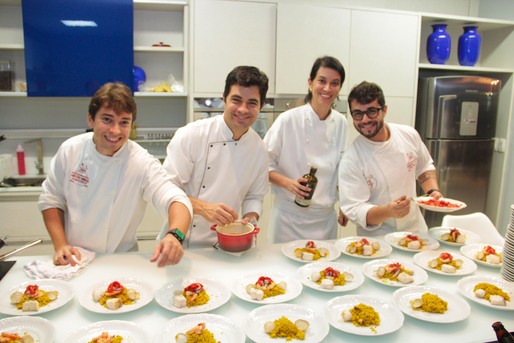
312,182
502,334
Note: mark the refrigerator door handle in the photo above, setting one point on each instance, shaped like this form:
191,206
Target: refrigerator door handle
444,99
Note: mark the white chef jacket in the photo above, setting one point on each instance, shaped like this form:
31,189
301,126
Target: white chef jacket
104,198
297,140
376,173
205,161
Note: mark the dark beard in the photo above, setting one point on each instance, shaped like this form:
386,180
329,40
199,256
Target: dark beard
378,127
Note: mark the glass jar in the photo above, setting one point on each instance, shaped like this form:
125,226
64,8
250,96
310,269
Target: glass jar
6,76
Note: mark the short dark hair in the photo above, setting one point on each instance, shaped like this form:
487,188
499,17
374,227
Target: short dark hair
366,92
326,62
116,96
247,76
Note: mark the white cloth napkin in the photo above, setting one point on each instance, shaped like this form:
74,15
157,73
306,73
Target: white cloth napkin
47,270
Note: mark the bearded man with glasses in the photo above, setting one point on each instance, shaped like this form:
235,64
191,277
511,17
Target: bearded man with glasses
378,173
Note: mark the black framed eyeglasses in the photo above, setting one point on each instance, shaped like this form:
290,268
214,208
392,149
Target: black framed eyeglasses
371,112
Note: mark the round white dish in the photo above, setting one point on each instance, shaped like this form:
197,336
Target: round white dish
385,248
391,318
128,330
394,237
41,329
254,328
471,237
64,296
219,294
422,259
467,284
144,288
304,275
294,288
470,251
458,308
223,329
289,248
369,269
460,204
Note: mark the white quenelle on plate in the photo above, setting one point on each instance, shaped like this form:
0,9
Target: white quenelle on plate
471,251
391,318
218,293
145,290
128,330
318,325
427,242
64,296
441,205
40,329
458,308
223,329
370,269
423,259
304,274
293,287
467,285
384,250
288,249
469,236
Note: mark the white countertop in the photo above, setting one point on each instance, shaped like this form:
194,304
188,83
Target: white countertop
209,263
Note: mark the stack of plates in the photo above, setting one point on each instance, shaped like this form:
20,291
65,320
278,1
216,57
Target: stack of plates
508,250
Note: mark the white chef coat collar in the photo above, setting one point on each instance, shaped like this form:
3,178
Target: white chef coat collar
227,132
311,116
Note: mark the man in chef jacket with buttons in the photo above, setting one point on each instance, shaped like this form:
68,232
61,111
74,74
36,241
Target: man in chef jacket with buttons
221,162
378,173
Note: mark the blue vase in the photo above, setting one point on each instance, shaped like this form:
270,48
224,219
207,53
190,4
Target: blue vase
469,46
438,45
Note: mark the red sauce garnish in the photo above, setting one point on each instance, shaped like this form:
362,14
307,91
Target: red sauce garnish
310,244
194,287
31,291
329,271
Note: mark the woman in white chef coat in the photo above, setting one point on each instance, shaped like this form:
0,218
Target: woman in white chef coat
314,134
378,172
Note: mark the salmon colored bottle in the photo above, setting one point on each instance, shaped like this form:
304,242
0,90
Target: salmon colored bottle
20,154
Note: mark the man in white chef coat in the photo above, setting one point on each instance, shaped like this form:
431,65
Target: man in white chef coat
378,173
221,162
99,183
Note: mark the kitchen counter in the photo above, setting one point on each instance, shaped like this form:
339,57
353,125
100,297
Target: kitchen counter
210,263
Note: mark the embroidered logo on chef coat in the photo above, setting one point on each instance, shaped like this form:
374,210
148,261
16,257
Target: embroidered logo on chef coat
372,182
412,160
79,176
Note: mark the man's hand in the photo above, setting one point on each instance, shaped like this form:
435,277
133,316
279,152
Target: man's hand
342,219
219,213
400,207
64,256
167,251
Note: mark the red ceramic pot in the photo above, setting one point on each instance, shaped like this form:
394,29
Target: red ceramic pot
236,237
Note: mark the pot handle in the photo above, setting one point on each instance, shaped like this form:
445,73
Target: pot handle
213,227
256,230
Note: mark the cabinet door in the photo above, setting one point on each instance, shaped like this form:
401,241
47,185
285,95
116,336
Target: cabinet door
383,50
304,33
228,34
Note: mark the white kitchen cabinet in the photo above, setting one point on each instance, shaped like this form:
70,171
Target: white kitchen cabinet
304,33
383,50
227,34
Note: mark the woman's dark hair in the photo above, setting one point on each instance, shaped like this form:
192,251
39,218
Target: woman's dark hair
326,62
247,76
116,96
366,92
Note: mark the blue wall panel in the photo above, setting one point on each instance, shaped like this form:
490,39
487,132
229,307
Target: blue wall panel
72,47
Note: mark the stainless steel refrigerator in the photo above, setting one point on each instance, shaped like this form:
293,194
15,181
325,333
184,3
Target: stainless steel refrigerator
456,118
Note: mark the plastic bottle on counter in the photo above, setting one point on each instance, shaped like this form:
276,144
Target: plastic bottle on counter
20,154
502,334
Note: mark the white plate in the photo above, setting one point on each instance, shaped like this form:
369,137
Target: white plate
39,328
394,237
63,287
288,250
470,250
471,237
369,269
391,318
130,332
219,294
304,275
223,329
385,248
254,329
294,288
145,290
422,259
468,283
440,209
458,308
